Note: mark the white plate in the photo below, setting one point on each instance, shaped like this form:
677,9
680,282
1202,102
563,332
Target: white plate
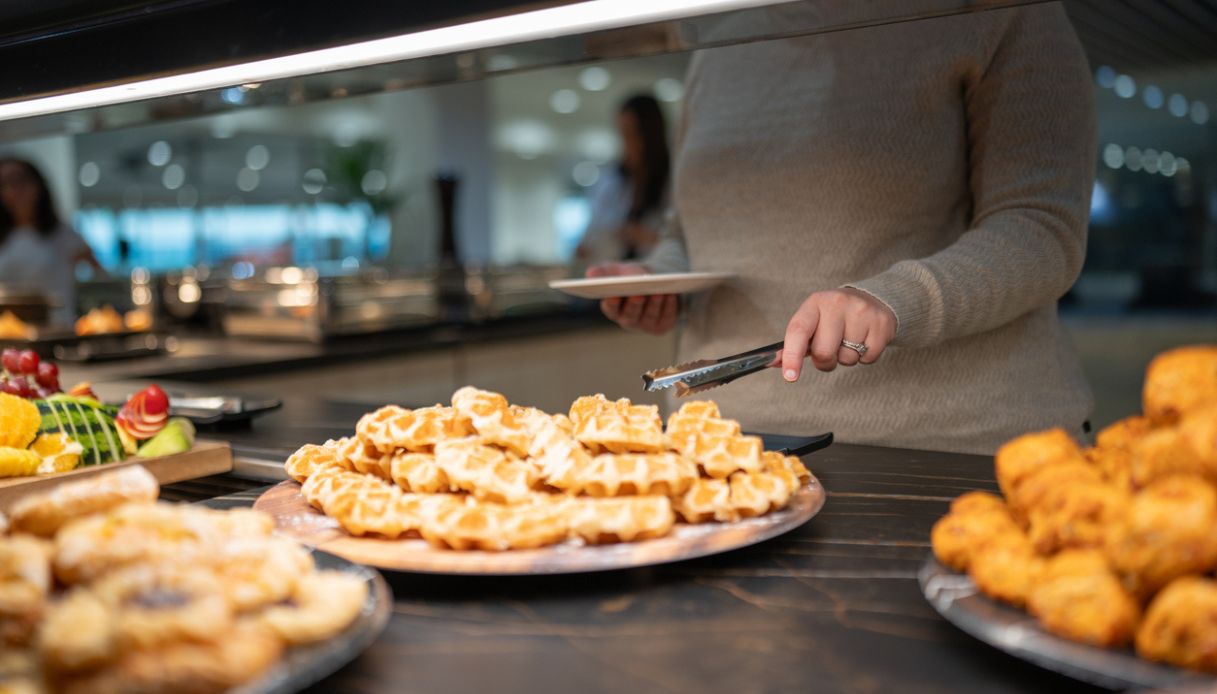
641,285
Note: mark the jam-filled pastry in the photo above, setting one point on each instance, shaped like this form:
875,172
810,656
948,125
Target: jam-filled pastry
149,534
321,605
44,514
620,519
485,471
25,583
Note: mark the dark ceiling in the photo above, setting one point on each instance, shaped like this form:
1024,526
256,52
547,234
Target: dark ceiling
1140,35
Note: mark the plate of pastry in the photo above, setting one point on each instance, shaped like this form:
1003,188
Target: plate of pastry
121,592
641,285
1098,562
485,487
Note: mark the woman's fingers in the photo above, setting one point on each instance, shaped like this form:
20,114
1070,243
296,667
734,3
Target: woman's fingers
827,340
798,334
611,308
876,342
855,331
671,308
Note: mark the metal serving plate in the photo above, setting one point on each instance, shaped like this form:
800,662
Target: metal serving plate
303,667
1006,628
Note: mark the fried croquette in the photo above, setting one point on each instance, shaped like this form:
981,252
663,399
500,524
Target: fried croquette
1019,458
1077,596
1179,381
1180,625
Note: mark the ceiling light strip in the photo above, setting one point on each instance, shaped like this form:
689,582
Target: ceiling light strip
551,22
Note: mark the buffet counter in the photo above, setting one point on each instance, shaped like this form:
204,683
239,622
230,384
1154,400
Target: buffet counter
834,604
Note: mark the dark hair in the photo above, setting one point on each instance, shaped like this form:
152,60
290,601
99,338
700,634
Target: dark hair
45,218
651,181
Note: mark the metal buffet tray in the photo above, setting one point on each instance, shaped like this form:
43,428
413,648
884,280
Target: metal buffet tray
65,345
957,599
300,304
216,409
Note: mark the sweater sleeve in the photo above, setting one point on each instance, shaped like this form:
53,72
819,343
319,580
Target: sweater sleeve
1031,135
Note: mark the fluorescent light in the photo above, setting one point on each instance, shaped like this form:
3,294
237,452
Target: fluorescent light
546,23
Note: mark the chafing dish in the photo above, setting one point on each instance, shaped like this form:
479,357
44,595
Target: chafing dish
497,292
307,304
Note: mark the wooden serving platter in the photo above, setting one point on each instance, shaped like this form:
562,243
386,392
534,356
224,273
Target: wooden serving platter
206,458
295,518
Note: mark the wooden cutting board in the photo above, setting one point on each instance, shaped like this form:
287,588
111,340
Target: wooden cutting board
206,458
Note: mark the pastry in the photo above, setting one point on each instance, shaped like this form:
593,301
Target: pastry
472,524
1179,625
620,519
626,474
25,584
310,458
485,471
44,514
417,472
617,427
321,605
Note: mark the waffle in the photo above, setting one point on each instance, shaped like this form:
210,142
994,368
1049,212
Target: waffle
485,474
626,474
617,427
697,432
620,519
392,427
536,522
417,472
485,471
361,504
310,458
358,455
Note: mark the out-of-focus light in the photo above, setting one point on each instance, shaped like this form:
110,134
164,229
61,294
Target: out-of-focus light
526,138
1100,202
223,127
257,157
564,101
350,263
189,293
585,173
1113,156
248,179
242,270
313,181
89,175
1152,96
1149,161
233,95
567,19
346,135
1126,87
1132,159
291,275
159,153
501,61
374,182
1105,76
669,89
1167,164
1200,112
595,79
1177,105
173,177
187,196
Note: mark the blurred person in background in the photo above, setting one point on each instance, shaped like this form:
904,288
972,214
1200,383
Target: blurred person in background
628,203
908,201
38,251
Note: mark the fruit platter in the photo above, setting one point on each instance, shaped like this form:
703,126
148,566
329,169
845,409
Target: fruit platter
48,435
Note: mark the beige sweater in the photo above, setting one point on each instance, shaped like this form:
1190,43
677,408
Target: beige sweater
945,167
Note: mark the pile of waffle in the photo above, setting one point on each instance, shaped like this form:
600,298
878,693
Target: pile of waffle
105,589
485,474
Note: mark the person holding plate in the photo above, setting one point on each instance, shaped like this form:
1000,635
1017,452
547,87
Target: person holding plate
907,219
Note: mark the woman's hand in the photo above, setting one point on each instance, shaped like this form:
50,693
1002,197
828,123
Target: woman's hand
654,314
825,319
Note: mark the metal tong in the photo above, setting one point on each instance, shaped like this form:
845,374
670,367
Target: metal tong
704,374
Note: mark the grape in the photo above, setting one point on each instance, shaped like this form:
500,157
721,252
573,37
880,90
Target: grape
48,375
11,360
42,393
22,388
9,387
27,363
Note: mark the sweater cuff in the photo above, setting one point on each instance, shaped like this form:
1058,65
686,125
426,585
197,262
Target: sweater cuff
907,289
